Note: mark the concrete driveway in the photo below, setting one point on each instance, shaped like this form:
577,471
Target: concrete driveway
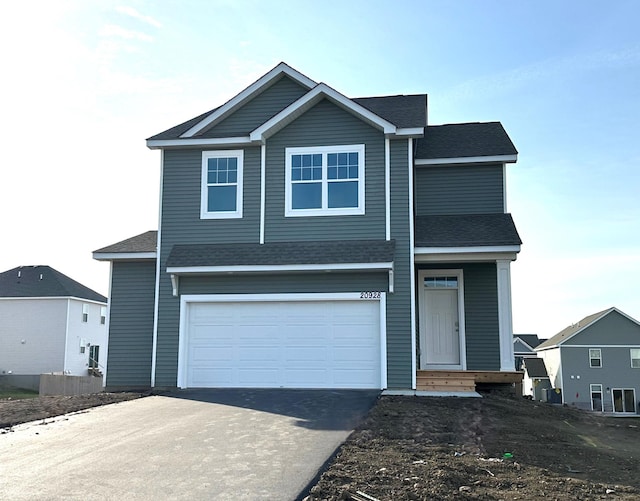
193,444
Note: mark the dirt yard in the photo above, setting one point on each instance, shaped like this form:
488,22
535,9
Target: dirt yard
417,448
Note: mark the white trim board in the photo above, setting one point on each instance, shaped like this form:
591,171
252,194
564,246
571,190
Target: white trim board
467,160
268,268
120,256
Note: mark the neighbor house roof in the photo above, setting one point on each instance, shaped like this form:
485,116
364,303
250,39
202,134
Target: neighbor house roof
574,329
43,281
466,230
465,140
535,368
531,340
282,253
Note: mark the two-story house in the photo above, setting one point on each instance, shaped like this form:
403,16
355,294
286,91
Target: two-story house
596,362
311,240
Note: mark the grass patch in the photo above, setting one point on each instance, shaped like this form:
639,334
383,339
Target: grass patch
16,393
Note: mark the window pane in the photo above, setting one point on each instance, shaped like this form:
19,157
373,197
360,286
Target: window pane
332,159
332,172
343,172
233,163
353,172
306,196
222,163
343,158
317,160
343,194
353,159
296,160
306,160
296,173
221,199
317,173
232,177
306,174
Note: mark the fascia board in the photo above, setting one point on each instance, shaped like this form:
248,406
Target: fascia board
181,143
467,160
120,256
42,298
298,107
466,257
196,270
410,131
467,250
253,89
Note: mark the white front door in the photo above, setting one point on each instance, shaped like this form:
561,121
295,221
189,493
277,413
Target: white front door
441,325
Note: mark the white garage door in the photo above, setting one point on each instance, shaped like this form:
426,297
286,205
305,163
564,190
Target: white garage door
283,344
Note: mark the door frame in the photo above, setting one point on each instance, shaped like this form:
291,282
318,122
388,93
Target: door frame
613,401
458,273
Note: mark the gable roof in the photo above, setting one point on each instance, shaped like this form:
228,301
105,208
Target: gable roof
573,329
43,281
465,142
530,340
466,230
535,367
403,115
141,246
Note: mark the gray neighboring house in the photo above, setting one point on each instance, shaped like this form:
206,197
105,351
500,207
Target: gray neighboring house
536,380
311,240
596,362
49,323
524,347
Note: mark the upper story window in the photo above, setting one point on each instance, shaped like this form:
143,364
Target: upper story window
85,312
325,180
635,358
595,357
103,315
221,190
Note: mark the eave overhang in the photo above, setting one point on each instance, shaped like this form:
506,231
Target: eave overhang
507,159
124,256
466,254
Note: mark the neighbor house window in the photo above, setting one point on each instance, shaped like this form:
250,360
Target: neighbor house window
85,312
103,315
325,180
635,358
595,357
221,185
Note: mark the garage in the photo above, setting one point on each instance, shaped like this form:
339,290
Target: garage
307,341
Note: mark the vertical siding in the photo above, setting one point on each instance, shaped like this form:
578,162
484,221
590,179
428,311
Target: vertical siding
399,340
131,324
459,190
482,334
260,109
325,125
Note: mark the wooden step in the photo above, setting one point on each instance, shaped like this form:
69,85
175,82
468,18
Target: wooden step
445,381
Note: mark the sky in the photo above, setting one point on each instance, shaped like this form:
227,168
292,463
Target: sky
86,82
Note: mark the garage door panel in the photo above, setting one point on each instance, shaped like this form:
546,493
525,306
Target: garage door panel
297,344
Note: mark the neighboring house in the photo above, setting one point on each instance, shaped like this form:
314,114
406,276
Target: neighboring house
524,347
49,323
536,379
596,362
310,240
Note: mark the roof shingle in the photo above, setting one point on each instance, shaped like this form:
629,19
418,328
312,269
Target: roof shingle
465,230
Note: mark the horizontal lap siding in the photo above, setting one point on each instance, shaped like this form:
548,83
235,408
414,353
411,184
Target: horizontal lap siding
325,125
260,109
613,328
131,324
399,335
482,334
459,190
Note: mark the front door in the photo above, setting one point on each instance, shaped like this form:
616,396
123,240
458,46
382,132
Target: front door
440,320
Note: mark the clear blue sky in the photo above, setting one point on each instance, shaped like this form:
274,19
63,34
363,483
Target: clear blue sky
85,82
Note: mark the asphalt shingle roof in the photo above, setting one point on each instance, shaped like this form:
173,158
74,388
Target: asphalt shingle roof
283,253
464,140
465,230
402,111
531,339
569,331
145,242
535,367
43,281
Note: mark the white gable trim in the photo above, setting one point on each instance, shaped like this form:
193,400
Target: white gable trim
216,141
311,98
468,160
248,93
516,339
120,256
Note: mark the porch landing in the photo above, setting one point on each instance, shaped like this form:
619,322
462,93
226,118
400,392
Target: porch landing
463,381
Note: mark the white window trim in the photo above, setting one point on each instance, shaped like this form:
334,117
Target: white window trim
85,313
593,389
204,213
325,211
634,358
599,358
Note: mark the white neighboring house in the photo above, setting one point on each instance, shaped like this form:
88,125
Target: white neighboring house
49,323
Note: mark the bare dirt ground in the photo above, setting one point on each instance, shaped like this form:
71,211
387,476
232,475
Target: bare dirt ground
417,448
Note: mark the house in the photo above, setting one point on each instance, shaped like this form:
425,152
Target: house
524,347
49,323
536,380
596,362
311,240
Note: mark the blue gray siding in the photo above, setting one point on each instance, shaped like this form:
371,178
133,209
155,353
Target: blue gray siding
613,328
459,190
482,333
325,125
260,109
131,324
399,335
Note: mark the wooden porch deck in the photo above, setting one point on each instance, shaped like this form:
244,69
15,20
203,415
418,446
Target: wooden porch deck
463,381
